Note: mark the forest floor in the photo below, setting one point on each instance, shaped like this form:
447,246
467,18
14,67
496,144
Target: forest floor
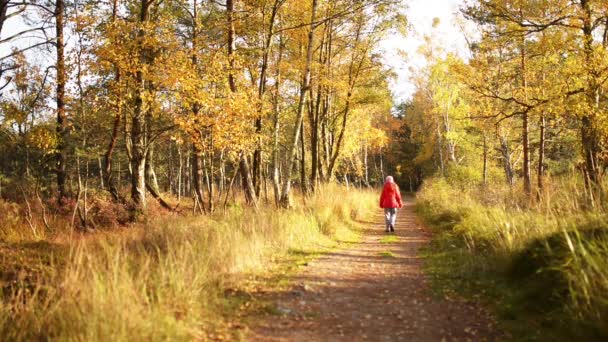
375,290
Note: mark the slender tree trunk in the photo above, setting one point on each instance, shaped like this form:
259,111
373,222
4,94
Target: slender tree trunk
187,177
324,162
151,179
314,141
365,165
382,167
180,173
110,151
526,155
485,160
541,155
197,149
303,179
314,115
222,180
3,9
440,151
506,157
62,121
170,188
450,143
138,122
353,75
250,194
209,171
525,119
325,157
257,156
100,167
115,128
590,140
197,175
286,192
128,146
276,181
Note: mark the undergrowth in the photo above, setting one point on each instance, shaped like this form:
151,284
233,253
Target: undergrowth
169,279
542,264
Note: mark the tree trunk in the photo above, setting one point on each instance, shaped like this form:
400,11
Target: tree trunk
187,186
440,151
485,160
138,124
526,155
197,176
152,181
222,179
303,179
248,187
250,196
315,113
257,156
111,186
62,121
353,75
180,173
209,179
365,165
286,192
541,155
525,119
325,156
506,157
3,9
314,141
450,143
276,181
590,139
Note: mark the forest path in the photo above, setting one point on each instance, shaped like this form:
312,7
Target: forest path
375,291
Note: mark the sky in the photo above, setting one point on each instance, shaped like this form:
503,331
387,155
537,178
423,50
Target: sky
447,34
400,53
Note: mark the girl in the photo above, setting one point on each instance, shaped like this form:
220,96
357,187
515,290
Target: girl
390,200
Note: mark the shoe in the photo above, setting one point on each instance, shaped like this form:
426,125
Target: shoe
392,228
386,230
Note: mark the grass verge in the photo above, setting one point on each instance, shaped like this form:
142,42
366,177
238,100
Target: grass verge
541,268
175,278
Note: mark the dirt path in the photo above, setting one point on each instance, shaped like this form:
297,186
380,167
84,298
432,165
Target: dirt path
373,292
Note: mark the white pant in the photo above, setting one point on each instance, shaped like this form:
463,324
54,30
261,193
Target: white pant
390,215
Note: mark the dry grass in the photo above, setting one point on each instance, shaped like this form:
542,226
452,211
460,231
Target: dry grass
555,248
164,280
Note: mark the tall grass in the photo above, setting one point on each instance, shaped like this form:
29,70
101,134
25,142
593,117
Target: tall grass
553,250
166,280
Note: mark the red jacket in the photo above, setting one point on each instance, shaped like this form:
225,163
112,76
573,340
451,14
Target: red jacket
390,198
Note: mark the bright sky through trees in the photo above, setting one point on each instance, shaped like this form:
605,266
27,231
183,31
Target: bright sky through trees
396,49
420,14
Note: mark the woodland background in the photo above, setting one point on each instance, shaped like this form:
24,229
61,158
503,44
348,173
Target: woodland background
190,122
